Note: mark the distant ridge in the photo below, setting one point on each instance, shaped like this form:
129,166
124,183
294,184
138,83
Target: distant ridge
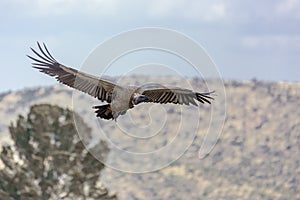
256,157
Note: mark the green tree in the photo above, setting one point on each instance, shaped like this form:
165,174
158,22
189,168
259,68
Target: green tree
48,160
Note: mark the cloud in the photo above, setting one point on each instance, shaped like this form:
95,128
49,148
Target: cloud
60,7
288,8
271,41
204,10
234,11
195,10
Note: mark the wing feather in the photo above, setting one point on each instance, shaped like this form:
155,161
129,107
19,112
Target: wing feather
175,95
92,85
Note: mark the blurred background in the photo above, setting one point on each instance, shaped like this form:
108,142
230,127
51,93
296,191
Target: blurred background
255,45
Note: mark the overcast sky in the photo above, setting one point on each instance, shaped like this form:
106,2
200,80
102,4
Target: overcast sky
246,39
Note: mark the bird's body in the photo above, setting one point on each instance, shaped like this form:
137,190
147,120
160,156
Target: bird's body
122,100
119,98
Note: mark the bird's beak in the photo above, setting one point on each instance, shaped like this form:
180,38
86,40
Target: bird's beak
141,98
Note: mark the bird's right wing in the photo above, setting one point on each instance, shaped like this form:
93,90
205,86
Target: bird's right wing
162,94
92,85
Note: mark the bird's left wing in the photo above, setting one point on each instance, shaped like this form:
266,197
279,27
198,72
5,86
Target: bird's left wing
163,95
92,85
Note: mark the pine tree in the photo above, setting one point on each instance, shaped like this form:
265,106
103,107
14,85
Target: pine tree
48,160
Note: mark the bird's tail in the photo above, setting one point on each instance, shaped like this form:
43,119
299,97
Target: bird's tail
104,111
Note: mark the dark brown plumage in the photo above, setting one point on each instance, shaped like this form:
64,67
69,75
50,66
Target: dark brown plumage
119,98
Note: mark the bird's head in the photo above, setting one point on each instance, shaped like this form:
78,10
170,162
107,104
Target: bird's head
139,98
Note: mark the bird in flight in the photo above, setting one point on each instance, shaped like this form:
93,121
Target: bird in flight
119,98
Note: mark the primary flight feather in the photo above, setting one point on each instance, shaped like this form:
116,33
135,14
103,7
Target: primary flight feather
119,98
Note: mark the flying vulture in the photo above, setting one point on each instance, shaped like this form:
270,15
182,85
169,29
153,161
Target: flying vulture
119,98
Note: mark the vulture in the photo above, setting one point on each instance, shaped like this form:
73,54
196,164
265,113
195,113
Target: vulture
119,98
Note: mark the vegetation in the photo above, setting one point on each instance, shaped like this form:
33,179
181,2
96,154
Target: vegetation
257,156
48,160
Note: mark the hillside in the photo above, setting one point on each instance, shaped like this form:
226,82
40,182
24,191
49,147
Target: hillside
256,157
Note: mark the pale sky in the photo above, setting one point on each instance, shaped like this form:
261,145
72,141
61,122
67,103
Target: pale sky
246,39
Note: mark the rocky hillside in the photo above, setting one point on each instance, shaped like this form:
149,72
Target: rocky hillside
256,157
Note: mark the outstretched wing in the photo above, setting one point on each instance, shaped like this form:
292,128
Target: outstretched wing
92,85
165,95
